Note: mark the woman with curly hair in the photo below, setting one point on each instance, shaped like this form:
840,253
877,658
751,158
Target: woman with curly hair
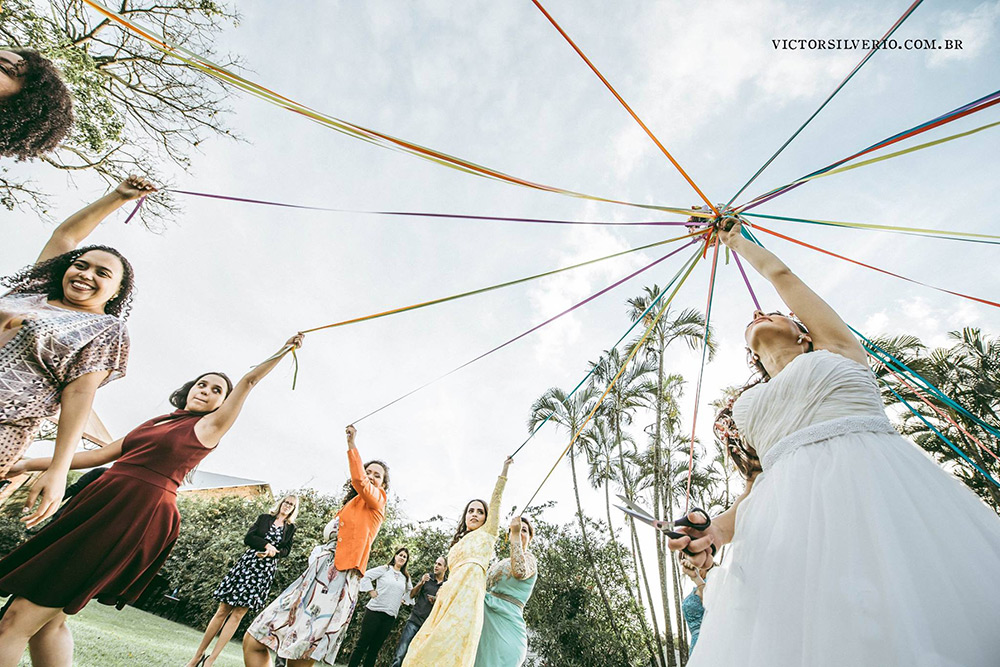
62,336
450,635
36,108
116,535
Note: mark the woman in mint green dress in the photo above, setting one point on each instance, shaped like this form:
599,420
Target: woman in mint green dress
504,641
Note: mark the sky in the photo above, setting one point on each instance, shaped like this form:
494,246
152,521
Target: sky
224,285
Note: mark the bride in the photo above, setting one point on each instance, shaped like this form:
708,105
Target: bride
850,546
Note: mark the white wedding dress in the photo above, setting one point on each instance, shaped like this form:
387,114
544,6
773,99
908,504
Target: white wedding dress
854,548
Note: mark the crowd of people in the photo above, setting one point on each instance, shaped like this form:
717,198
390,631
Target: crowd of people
849,545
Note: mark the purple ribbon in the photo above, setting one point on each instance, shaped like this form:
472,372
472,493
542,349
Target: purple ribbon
414,214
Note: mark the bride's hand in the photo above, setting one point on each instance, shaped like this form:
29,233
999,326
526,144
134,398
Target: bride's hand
730,231
699,542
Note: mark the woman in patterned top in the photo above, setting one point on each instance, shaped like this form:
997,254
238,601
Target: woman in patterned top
62,336
504,642
246,585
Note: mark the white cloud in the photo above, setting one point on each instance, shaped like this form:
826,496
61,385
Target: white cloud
976,28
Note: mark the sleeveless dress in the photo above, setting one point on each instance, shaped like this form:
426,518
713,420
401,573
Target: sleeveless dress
51,348
504,642
450,635
117,533
854,547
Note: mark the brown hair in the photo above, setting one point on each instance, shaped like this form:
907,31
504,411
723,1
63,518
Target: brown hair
744,456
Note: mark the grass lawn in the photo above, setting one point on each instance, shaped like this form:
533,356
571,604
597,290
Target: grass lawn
132,638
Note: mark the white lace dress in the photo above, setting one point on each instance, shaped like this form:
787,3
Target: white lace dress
854,548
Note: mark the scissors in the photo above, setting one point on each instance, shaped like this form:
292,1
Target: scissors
638,512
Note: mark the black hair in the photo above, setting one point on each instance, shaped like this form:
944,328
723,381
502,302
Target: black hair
178,399
46,278
38,118
350,492
392,561
462,529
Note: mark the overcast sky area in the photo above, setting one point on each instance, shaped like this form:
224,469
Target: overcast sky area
225,284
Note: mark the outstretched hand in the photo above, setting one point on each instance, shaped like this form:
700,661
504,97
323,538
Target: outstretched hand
296,341
730,230
134,187
506,465
351,434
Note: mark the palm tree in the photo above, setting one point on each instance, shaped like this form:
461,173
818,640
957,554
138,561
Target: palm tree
601,455
624,387
968,372
570,412
688,327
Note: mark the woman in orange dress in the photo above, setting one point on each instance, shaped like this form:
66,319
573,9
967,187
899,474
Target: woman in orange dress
308,621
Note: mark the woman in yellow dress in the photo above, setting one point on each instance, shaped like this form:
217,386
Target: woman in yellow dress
450,635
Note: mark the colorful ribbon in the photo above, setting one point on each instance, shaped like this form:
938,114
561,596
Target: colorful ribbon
836,90
960,112
455,216
890,361
914,231
628,108
529,331
701,371
483,290
941,435
875,268
640,318
635,348
345,127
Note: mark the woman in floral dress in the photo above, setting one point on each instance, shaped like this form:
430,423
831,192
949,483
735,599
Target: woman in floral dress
450,635
247,584
309,620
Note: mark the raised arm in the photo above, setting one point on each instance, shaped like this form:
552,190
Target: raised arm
493,520
522,563
212,427
826,329
373,495
415,591
77,227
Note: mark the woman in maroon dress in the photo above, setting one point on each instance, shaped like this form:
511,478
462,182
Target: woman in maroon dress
117,533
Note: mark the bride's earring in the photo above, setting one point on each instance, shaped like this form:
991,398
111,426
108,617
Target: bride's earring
799,341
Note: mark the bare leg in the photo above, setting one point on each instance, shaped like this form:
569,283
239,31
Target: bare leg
255,654
52,646
22,620
300,663
227,632
210,632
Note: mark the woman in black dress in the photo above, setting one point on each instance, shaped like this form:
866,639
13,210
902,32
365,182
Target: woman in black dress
247,584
